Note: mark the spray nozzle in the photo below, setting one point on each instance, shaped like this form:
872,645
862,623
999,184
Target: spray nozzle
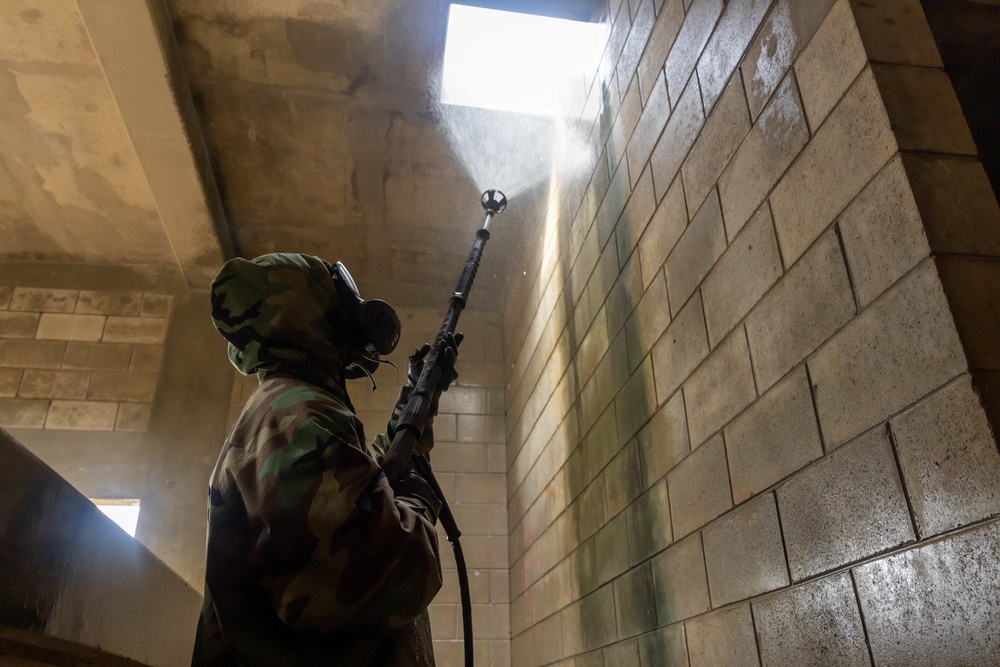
494,201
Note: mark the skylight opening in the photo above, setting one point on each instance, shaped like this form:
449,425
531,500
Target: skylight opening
124,512
520,63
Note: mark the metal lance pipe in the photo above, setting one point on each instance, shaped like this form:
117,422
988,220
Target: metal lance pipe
417,413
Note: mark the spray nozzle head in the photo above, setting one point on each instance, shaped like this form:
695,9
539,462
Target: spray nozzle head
494,201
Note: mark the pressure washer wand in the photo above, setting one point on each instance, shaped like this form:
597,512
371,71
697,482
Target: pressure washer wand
417,413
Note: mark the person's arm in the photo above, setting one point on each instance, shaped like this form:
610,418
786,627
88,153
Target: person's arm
346,552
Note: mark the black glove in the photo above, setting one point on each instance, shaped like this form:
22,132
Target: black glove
446,361
415,488
416,364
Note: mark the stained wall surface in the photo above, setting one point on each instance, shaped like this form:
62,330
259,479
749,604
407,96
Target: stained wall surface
745,395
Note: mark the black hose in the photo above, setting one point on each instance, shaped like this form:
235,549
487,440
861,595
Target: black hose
453,534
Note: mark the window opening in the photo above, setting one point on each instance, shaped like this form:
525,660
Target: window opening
123,511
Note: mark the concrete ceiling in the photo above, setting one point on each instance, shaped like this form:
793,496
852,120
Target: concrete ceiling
175,133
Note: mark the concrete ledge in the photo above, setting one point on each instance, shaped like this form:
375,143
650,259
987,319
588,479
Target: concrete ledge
69,574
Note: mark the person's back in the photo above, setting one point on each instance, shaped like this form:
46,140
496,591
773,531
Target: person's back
312,558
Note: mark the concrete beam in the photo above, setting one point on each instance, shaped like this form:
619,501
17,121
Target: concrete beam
136,49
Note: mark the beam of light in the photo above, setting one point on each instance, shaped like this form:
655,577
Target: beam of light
519,62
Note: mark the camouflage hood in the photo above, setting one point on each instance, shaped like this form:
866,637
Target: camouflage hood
279,308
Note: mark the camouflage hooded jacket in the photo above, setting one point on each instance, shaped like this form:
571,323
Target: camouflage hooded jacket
311,559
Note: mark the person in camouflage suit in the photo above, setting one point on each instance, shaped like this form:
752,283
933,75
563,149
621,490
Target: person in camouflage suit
312,558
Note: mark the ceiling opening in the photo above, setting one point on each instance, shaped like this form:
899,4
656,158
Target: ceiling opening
522,63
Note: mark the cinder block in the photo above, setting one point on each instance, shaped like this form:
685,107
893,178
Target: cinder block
679,581
43,300
923,109
623,481
730,39
108,303
957,204
156,305
129,387
612,206
598,612
133,417
484,551
896,32
137,330
724,131
882,233
82,416
668,223
776,45
699,488
482,488
10,380
701,244
647,131
643,16
831,171
635,606
621,129
18,325
901,348
949,460
648,521
624,653
58,326
624,295
600,445
54,384
31,353
815,624
647,323
743,552
691,39
481,428
96,356
830,63
637,401
149,358
742,275
805,308
678,136
22,413
650,70
681,348
847,507
720,388
6,291
665,646
775,139
635,217
775,437
663,443
611,549
936,605
461,457
464,400
723,639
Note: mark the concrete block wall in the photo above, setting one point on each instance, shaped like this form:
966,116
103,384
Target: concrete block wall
470,464
79,359
748,396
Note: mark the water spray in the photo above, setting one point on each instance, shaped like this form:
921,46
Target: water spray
417,414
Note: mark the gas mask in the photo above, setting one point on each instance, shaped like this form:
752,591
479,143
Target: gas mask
373,325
